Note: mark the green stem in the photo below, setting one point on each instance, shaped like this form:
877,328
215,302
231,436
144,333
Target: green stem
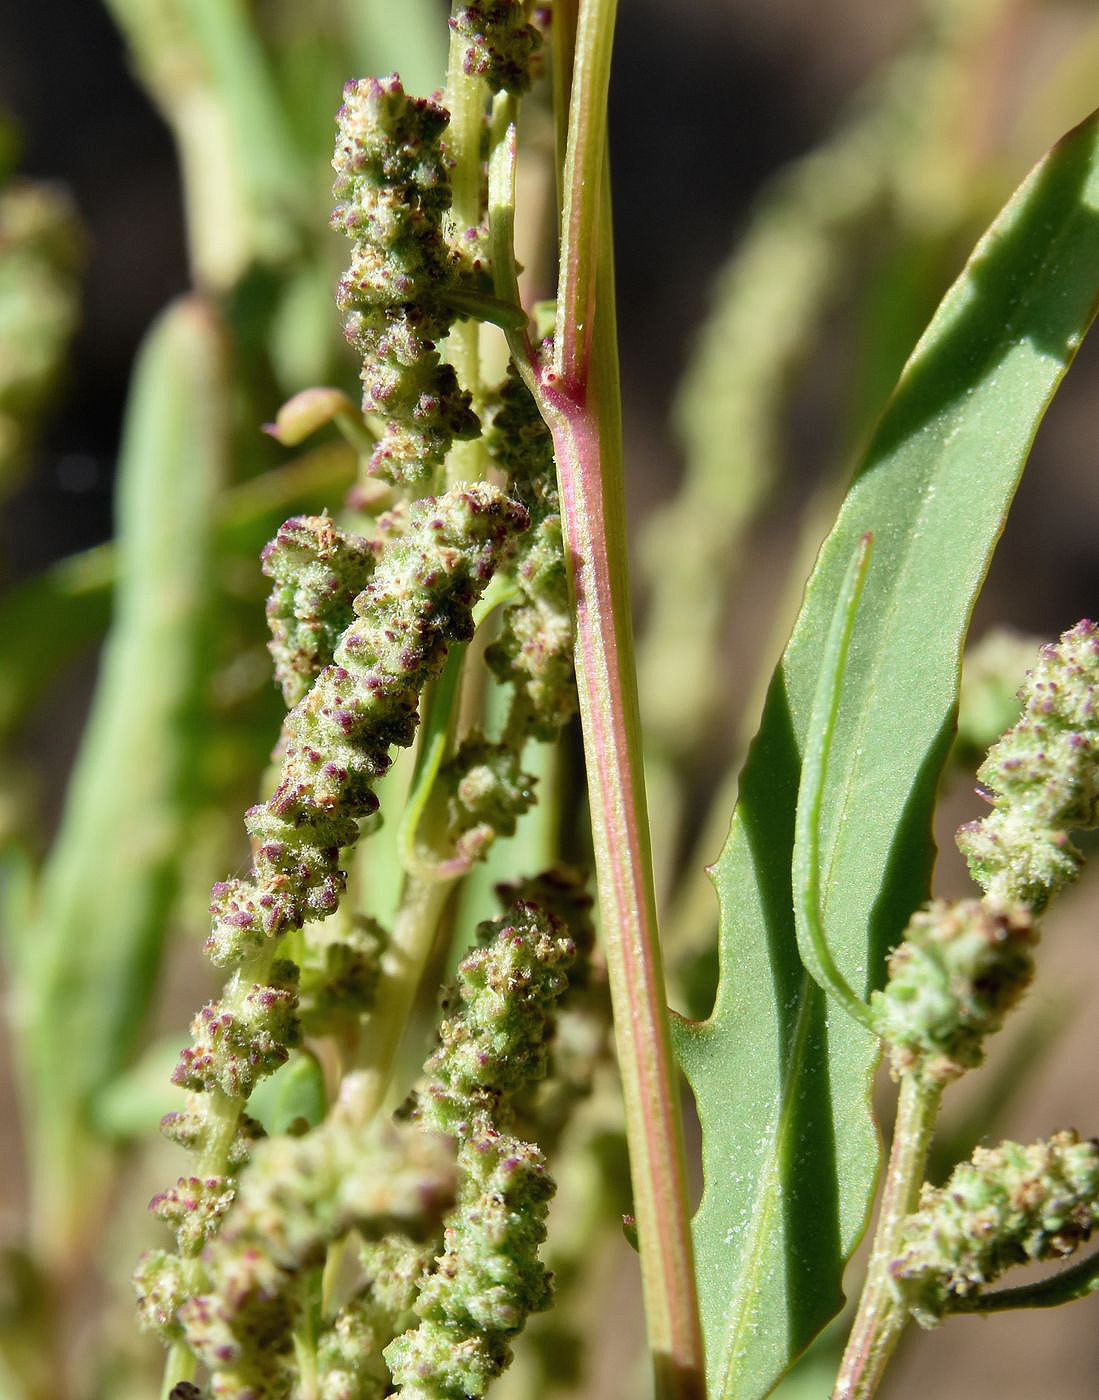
402,968
585,158
418,857
580,402
465,100
1065,1287
438,730
881,1318
485,308
501,227
563,58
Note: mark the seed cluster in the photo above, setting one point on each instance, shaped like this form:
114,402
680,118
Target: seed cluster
393,190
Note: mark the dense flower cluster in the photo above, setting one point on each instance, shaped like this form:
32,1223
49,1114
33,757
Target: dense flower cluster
1043,776
318,572
418,600
493,1046
298,1196
499,42
534,651
959,969
394,189
1008,1205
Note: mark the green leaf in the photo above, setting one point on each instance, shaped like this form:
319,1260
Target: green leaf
782,1079
129,1107
293,1095
85,966
47,620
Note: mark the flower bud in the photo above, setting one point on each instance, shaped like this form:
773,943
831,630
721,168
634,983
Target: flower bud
1008,1205
959,969
1043,776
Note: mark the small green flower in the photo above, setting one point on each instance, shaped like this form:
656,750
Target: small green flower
1044,779
338,977
493,1047
500,44
487,793
952,979
1008,1205
161,1287
194,1208
243,1037
318,572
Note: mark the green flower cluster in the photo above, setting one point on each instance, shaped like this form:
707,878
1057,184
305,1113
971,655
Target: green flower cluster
958,971
582,1037
418,600
499,41
41,260
297,1197
1044,779
238,1040
493,1046
318,572
1008,1205
487,792
484,785
349,1351
534,651
339,975
394,190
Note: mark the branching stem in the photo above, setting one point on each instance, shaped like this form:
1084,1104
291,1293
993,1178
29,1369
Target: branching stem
579,399
465,100
881,1318
400,974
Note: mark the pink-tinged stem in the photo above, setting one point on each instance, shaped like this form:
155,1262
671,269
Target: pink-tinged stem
579,398
594,536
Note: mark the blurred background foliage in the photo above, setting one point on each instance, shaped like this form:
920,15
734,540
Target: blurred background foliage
794,186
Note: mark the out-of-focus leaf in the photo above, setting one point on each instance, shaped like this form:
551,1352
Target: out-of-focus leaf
292,1096
86,964
129,1107
47,620
780,1077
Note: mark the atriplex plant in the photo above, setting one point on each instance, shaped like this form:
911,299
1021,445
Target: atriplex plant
365,1209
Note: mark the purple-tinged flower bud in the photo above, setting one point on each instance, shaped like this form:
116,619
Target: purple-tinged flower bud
500,44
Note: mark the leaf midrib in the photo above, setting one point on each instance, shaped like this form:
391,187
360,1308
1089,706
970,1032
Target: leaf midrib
765,1196
870,687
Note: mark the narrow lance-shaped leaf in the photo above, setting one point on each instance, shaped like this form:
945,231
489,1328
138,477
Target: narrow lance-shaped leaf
86,965
782,1078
